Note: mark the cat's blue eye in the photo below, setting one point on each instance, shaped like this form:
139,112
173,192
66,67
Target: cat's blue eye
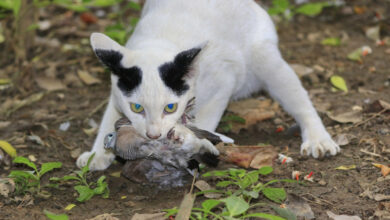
170,108
137,108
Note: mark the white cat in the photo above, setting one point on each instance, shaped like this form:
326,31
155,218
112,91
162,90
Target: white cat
215,50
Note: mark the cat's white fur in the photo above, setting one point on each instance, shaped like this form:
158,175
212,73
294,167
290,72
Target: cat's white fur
241,57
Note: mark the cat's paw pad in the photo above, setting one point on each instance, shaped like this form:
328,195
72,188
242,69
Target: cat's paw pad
99,162
320,148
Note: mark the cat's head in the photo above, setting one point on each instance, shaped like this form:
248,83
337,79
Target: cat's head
151,87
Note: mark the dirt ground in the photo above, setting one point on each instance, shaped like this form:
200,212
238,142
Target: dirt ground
352,192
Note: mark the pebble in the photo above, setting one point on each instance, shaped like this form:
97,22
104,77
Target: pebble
322,182
384,131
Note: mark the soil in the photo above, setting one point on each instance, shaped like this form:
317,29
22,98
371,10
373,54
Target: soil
340,191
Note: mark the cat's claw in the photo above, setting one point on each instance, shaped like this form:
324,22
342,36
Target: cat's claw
319,148
99,162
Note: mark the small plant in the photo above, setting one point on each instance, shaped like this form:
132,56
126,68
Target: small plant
243,188
86,190
287,10
30,181
227,122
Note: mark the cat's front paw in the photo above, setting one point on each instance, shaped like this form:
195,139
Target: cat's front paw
319,147
209,147
99,162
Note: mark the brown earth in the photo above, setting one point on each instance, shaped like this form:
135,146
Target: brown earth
340,190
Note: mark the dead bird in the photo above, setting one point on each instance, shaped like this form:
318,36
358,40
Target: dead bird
184,144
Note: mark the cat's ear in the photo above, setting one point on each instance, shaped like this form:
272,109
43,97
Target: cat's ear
175,74
107,50
111,53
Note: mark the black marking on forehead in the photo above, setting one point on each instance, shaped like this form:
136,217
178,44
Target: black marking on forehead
173,73
129,78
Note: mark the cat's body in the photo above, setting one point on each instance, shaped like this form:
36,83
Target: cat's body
234,53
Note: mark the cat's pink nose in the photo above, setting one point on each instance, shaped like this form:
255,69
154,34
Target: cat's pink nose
152,136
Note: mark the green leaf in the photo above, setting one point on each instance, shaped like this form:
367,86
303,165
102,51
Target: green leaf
134,6
233,118
25,161
22,174
104,3
263,216
252,194
224,183
54,216
355,55
13,5
235,205
85,193
275,194
170,212
210,204
265,170
250,179
339,83
226,127
71,5
311,9
32,26
279,7
46,167
85,168
237,172
100,181
101,186
281,180
285,213
70,177
219,173
331,41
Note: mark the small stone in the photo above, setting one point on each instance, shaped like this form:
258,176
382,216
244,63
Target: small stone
278,121
32,158
322,182
384,131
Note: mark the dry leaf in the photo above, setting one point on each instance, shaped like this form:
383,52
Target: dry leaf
253,111
385,170
373,33
301,70
116,174
346,117
105,216
7,186
342,217
204,186
186,207
69,207
155,216
10,106
49,83
381,197
346,167
4,124
247,156
75,153
87,78
341,139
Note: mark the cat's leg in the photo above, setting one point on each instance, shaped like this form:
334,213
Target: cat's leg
284,85
214,92
102,158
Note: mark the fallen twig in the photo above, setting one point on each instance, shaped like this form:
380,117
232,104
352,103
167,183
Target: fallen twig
370,153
